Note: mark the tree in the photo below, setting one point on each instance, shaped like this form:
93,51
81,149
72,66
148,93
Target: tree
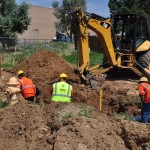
129,6
13,19
62,13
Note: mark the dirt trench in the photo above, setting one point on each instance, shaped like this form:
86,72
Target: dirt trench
59,126
44,68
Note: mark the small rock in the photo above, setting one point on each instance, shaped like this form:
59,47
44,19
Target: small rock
20,133
50,139
43,130
22,127
40,136
82,147
23,114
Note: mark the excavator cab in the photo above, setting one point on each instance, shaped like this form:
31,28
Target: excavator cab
130,31
131,34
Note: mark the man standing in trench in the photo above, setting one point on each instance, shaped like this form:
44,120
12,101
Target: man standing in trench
144,93
27,87
61,91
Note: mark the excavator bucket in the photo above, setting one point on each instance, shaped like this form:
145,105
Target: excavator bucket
97,81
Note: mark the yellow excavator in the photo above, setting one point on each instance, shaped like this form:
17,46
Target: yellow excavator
125,40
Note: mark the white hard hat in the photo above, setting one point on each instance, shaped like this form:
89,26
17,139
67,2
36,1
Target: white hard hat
12,81
143,79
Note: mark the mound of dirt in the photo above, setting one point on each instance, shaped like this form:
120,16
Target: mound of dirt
29,126
103,133
21,127
44,68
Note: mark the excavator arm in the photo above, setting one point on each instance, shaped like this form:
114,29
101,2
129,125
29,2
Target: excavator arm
102,27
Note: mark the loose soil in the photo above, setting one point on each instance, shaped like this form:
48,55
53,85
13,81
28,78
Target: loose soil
44,68
75,126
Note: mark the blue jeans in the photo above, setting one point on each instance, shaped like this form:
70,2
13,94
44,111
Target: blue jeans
145,118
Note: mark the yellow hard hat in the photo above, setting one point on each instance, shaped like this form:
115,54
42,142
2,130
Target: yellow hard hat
143,79
20,72
12,81
63,75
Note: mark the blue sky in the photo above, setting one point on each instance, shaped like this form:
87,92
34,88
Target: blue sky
99,7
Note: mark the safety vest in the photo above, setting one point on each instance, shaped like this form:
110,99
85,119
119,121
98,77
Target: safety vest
61,92
144,89
27,87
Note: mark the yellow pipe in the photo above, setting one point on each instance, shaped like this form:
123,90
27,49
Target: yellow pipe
100,99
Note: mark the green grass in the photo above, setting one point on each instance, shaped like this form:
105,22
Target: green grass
3,104
12,59
70,58
23,55
5,65
66,50
67,116
85,112
60,47
124,116
95,58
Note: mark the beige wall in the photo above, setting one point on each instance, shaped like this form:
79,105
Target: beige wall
42,24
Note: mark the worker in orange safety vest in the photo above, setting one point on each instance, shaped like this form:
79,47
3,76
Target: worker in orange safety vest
61,91
144,93
27,87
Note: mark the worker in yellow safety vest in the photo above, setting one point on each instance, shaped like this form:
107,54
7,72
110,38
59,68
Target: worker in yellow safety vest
61,91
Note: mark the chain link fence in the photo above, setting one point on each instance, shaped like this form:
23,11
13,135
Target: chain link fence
14,51
12,44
